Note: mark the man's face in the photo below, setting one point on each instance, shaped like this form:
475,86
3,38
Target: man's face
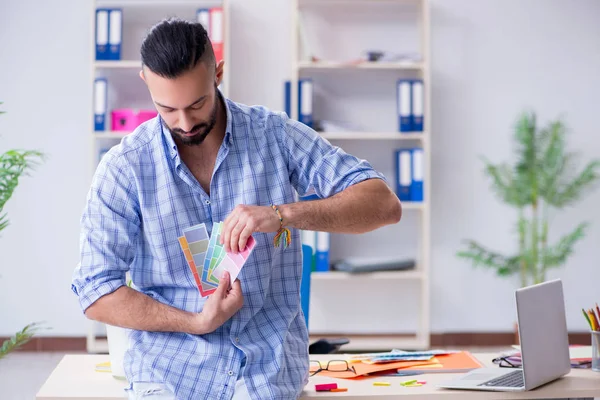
187,104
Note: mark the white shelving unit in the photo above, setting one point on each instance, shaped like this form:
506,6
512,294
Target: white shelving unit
126,89
328,13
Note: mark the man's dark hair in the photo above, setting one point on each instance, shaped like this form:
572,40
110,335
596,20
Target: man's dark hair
174,46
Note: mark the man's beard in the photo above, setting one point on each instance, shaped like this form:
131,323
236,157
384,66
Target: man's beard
202,130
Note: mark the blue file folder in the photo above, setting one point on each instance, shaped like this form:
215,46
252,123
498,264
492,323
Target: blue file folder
416,190
404,104
417,103
305,100
101,34
115,33
100,101
307,255
403,174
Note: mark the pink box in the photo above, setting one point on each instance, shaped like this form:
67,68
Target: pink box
127,119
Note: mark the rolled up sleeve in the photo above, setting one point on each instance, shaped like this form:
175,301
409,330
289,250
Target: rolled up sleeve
110,226
316,166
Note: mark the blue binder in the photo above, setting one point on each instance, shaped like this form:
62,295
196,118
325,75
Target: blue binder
322,263
307,255
404,103
100,103
403,174
287,98
416,190
417,103
115,33
101,34
305,100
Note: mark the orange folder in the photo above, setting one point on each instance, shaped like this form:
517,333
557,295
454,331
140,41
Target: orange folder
450,363
362,368
455,362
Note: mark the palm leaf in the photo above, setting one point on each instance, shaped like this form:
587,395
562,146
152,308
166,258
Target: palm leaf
557,255
481,256
527,149
576,187
19,339
14,164
553,160
505,184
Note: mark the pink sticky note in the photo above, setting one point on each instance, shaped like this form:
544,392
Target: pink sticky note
324,387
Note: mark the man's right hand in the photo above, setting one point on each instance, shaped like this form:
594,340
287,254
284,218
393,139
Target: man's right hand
220,306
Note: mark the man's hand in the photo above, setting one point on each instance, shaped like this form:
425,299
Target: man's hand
220,306
243,222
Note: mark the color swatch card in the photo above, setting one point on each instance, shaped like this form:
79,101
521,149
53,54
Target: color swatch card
208,259
194,244
232,262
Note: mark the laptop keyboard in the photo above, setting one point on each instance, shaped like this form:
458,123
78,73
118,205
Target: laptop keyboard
512,379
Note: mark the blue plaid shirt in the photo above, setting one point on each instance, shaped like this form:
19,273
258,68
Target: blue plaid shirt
143,196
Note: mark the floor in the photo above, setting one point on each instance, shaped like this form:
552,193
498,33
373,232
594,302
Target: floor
23,374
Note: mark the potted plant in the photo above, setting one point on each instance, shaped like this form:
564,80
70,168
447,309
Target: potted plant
544,177
13,165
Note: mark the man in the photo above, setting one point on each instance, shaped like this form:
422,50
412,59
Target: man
206,159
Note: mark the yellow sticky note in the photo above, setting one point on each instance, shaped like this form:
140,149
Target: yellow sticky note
381,384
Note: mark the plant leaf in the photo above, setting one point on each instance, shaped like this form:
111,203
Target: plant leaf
576,187
19,339
557,255
14,164
481,256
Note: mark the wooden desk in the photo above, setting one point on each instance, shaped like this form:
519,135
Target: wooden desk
75,378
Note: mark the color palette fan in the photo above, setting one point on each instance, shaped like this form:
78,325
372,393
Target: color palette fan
208,259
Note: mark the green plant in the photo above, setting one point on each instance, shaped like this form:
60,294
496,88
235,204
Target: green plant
19,339
13,165
542,178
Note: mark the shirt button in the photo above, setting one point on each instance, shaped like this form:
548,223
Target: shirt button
207,201
230,373
237,339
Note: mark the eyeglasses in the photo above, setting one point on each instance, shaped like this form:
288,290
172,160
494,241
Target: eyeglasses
332,366
508,361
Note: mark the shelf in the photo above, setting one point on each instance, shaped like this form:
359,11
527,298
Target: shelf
118,64
365,343
157,3
372,136
387,275
111,135
330,65
302,3
413,205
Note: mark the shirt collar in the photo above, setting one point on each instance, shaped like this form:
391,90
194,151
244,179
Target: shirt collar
228,139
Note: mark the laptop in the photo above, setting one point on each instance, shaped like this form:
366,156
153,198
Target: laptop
544,344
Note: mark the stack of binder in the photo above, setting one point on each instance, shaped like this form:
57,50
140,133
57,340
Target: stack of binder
410,105
409,174
109,33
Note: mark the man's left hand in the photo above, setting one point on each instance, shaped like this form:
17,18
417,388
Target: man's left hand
243,221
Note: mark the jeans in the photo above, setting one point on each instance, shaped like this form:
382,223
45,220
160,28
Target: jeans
159,391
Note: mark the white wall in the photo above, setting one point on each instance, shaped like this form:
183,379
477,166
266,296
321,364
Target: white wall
490,60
